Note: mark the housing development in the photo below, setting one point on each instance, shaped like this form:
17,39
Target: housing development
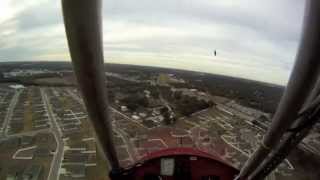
45,131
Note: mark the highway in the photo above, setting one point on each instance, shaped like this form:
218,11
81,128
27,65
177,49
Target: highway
8,117
57,159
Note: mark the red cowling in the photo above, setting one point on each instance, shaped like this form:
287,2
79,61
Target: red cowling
188,164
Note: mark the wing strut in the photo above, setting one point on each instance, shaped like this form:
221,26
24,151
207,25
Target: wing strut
297,94
83,24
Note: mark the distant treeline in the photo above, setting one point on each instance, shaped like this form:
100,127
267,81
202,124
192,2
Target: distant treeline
260,95
34,80
255,94
34,83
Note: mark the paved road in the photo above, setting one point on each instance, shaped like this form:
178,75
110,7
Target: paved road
30,133
115,75
128,144
131,150
271,176
8,117
127,117
234,146
75,96
57,159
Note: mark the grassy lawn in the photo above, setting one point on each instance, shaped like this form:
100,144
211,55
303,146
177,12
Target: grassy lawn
99,172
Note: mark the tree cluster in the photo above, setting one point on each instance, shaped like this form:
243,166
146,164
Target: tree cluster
133,102
186,105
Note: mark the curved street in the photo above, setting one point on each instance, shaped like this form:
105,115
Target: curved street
58,156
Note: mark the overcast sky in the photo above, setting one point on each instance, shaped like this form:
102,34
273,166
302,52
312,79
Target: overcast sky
255,39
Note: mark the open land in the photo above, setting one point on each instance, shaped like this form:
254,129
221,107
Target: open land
45,130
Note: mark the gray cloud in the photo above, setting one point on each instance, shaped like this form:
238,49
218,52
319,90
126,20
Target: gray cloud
41,15
248,34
